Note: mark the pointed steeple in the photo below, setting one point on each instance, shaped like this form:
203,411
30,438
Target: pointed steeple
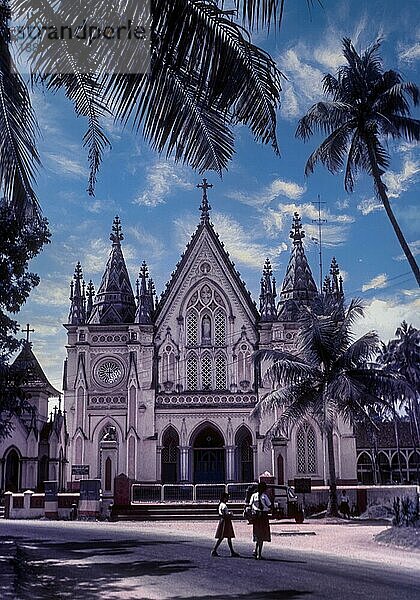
77,314
335,287
145,297
205,205
114,302
268,294
298,285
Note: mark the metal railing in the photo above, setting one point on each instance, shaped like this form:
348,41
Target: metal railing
186,492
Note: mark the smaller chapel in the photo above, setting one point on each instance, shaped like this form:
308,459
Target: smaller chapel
36,450
162,390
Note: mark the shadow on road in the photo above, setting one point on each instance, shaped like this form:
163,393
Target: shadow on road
41,570
269,595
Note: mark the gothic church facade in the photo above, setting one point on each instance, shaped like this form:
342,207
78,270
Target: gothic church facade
163,391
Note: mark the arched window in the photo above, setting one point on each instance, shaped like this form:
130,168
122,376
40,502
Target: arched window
219,328
398,475
414,468
206,373
306,449
132,406
384,468
364,469
108,474
131,459
244,364
192,373
170,456
221,383
244,455
192,337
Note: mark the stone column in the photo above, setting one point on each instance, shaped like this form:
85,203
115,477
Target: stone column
184,460
230,463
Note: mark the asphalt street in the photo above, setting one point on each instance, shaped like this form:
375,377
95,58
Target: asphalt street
105,561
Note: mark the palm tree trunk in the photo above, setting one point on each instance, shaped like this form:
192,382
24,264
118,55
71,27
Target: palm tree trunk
332,510
380,186
397,440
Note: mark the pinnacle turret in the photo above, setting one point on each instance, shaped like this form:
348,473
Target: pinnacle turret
145,297
334,285
77,314
90,293
268,294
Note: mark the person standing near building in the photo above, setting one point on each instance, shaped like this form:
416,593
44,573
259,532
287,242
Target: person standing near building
260,505
225,527
344,505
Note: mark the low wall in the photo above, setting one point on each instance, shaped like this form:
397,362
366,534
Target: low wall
29,505
362,497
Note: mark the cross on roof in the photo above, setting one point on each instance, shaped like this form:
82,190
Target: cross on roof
28,331
205,206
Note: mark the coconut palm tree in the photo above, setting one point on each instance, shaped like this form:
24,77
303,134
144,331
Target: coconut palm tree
366,105
330,376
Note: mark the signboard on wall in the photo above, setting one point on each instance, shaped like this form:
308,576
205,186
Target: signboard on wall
80,469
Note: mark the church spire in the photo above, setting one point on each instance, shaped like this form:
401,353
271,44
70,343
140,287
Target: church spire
77,314
298,285
268,294
114,302
205,205
145,297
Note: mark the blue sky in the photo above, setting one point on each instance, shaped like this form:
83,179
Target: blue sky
157,200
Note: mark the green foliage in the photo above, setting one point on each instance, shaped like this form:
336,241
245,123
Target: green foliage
18,245
405,511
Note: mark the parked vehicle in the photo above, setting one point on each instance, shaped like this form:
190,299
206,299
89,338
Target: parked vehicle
285,503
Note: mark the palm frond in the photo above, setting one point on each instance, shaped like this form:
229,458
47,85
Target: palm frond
19,158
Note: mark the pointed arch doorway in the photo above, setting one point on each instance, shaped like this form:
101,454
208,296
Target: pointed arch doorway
209,456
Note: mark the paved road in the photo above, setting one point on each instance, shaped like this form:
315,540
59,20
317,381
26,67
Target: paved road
104,561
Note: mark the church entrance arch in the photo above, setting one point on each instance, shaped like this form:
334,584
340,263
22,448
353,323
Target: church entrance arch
170,456
12,472
209,456
244,455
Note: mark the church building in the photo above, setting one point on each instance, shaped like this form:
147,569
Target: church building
163,390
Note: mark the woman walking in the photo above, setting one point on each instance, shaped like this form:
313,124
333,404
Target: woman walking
225,527
260,505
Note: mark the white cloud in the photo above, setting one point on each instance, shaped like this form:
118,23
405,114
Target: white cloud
334,231
377,282
148,243
369,205
384,316
66,166
52,292
240,244
303,85
409,54
161,178
400,182
342,204
278,187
